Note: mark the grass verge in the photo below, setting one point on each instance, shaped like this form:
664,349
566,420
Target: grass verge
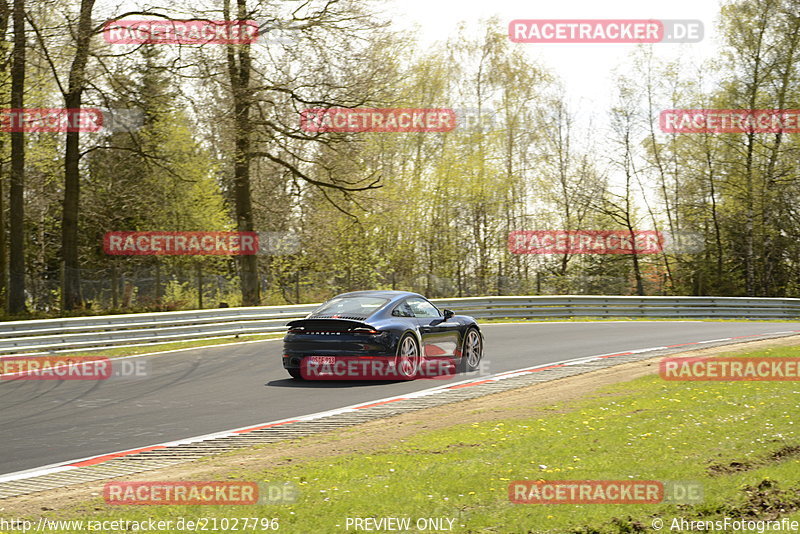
628,319
739,440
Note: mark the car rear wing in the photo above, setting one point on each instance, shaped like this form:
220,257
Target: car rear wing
323,324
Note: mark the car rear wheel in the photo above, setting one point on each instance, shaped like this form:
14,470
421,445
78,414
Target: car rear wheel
295,374
473,351
407,360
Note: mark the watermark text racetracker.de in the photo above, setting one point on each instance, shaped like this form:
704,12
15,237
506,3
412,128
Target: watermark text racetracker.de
605,31
180,243
551,492
208,493
585,242
351,120
177,31
730,121
71,368
51,119
604,242
730,369
252,523
59,120
167,243
374,368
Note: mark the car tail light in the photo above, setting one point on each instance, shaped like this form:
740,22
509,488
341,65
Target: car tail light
362,330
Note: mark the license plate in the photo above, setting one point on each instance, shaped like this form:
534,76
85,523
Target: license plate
323,360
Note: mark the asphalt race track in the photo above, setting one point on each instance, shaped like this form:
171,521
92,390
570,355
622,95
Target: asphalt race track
207,390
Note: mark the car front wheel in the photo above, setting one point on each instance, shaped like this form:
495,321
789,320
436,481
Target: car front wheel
473,351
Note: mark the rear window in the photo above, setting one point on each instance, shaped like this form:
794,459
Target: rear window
350,307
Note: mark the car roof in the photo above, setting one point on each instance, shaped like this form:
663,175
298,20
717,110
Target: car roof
391,295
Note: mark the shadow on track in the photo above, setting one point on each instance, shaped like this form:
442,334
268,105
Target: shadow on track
329,384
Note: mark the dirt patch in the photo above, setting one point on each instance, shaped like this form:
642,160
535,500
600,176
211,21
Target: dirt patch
768,502
762,502
616,526
716,470
523,403
782,454
765,501
790,451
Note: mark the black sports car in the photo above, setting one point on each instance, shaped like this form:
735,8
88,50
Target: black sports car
380,335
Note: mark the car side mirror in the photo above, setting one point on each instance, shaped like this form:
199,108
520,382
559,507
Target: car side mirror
448,314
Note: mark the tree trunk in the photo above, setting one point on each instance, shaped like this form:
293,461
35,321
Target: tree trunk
3,245
16,286
71,290
5,15
71,281
238,58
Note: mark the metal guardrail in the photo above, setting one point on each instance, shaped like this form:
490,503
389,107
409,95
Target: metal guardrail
95,333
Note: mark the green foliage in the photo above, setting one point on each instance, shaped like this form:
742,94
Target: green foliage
439,222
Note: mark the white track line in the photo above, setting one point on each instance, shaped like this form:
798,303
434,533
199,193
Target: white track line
132,356
70,464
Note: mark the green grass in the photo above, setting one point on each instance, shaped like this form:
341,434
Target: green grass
647,319
644,429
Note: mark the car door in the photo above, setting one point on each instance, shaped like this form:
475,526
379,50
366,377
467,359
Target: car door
439,338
